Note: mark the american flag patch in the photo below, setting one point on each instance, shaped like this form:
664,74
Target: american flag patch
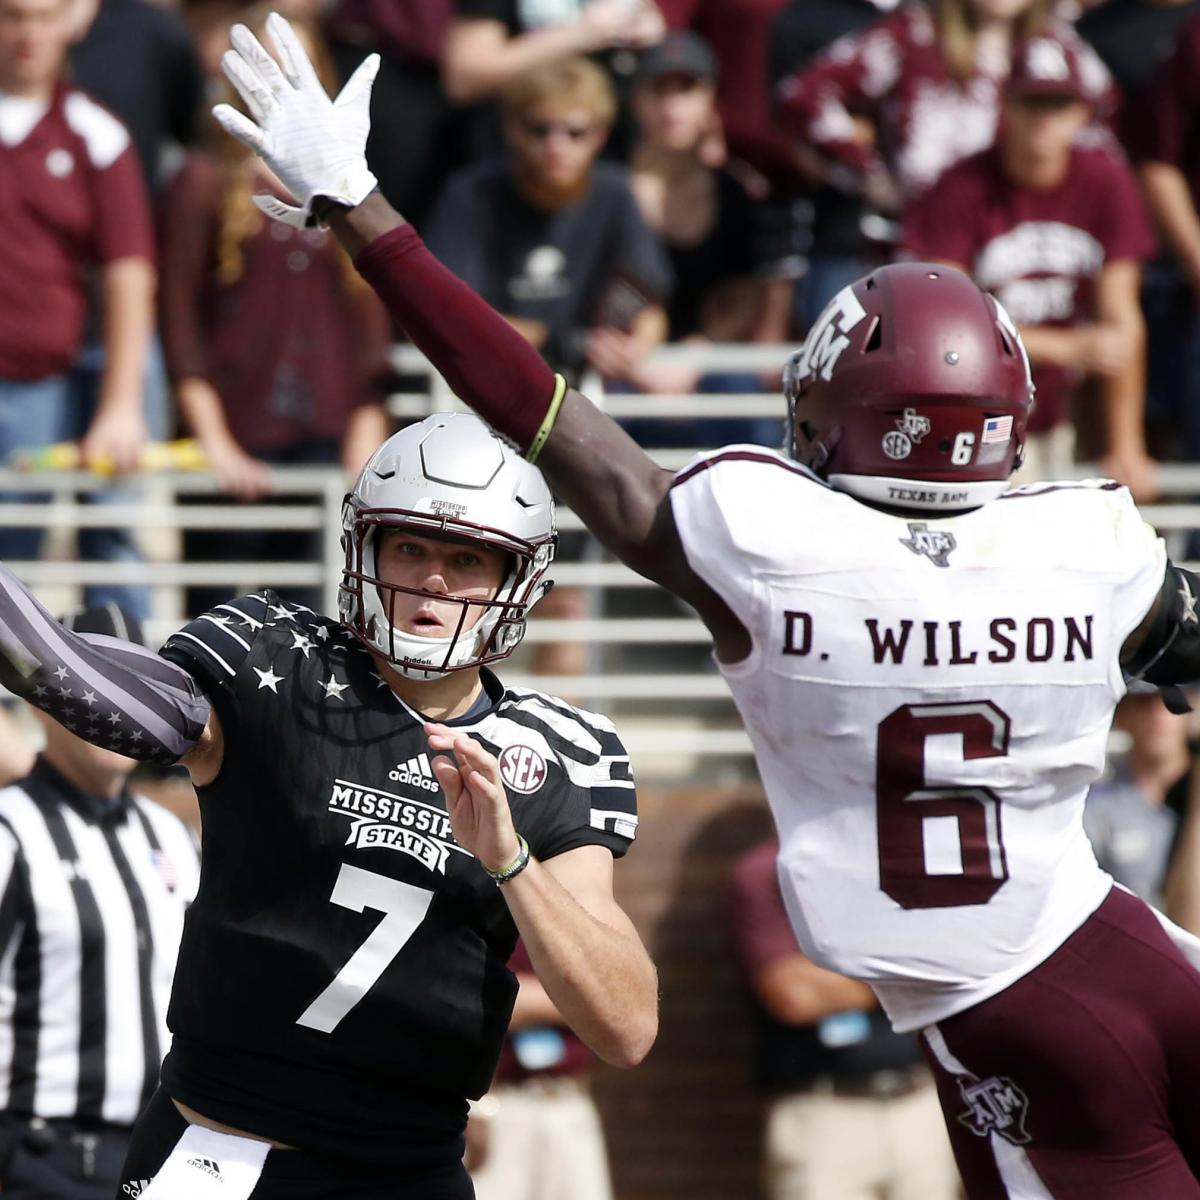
997,429
166,869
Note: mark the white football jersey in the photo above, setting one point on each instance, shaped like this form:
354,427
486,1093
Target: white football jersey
929,699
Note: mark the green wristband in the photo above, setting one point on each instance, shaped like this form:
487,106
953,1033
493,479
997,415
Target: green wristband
515,867
539,438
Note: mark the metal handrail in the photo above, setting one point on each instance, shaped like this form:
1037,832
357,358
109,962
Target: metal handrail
313,498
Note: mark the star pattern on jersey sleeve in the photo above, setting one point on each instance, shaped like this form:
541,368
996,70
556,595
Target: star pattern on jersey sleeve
301,642
334,687
1189,601
268,679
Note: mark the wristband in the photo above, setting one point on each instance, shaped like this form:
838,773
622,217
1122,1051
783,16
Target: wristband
544,430
515,867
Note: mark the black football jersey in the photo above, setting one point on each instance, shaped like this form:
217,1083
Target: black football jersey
342,983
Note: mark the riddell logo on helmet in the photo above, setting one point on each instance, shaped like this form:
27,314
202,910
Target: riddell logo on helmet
829,337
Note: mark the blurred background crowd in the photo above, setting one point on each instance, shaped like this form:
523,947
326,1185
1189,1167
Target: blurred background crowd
616,177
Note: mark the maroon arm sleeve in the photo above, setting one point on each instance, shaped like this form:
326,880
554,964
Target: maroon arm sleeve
487,364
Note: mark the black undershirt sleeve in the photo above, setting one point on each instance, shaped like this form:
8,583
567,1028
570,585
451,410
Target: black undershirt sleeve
1169,652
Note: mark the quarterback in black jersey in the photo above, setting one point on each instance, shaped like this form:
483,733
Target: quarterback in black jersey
381,817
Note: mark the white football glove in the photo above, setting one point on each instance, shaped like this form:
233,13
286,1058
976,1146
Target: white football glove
315,145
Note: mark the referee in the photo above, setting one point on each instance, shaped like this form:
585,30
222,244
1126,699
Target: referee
94,882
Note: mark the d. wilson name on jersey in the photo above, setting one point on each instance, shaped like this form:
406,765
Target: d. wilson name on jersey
955,643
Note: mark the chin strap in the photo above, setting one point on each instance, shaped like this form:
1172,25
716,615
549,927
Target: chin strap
112,693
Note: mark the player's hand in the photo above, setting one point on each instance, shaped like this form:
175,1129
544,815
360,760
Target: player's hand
475,798
315,145
115,440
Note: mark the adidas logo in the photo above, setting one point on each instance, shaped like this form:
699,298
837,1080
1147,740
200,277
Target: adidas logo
207,1166
416,773
135,1187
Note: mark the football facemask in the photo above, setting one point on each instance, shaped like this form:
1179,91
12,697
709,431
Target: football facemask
447,478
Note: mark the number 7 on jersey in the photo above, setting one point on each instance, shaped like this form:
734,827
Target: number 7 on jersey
403,906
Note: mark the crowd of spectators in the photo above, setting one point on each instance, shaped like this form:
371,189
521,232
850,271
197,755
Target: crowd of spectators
613,175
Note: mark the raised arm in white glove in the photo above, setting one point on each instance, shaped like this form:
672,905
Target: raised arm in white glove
315,145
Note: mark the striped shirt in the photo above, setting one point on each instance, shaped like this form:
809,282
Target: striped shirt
91,914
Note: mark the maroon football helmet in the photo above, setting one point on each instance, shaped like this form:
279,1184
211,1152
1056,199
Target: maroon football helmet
912,390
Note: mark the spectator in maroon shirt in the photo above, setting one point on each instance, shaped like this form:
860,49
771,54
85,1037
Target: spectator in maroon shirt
74,201
890,108
1054,227
275,346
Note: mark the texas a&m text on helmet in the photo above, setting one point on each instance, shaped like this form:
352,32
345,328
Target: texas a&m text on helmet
449,476
912,390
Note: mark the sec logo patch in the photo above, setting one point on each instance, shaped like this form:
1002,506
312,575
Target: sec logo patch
522,769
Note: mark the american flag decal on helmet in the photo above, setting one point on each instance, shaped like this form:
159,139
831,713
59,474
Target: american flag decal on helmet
997,429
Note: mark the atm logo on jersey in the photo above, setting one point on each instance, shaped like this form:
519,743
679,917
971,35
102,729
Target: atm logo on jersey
382,821
995,1105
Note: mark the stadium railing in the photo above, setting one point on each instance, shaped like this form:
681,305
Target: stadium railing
647,653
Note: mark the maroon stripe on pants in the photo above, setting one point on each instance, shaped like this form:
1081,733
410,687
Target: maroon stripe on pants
1090,1064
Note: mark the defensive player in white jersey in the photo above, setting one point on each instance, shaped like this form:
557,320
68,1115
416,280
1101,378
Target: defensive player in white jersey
927,665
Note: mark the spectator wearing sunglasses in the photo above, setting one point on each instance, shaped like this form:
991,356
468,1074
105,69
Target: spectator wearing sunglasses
554,239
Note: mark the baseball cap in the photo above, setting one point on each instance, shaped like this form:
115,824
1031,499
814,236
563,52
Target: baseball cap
1045,66
680,53
109,619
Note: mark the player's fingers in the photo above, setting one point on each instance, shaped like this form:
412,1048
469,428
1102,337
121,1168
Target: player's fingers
241,127
441,737
473,757
254,93
292,56
255,53
358,83
448,776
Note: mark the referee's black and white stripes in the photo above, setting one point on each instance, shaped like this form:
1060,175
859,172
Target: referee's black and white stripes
92,898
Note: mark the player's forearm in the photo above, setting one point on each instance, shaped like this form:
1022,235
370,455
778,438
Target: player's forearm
114,694
588,459
599,978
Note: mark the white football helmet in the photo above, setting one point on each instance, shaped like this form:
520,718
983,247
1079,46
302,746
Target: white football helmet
449,476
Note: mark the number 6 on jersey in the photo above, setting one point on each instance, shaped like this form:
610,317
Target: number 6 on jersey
403,907
939,847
